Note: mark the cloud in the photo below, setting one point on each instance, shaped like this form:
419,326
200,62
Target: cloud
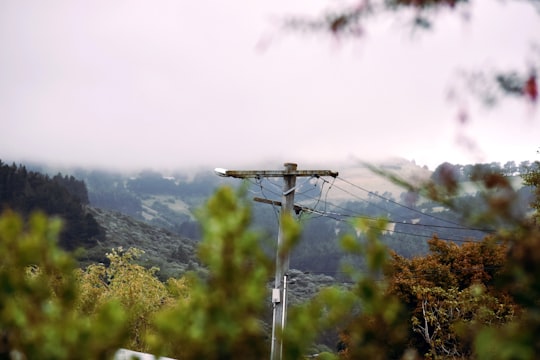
138,84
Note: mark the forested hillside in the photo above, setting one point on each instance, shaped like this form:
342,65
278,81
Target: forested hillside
26,191
172,254
170,201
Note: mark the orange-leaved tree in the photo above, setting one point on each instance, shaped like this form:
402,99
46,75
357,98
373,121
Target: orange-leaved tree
449,289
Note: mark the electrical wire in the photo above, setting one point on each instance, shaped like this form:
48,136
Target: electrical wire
385,210
394,202
447,227
341,217
258,182
358,215
457,225
319,197
386,230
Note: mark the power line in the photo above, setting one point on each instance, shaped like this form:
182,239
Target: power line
383,230
354,214
337,216
361,199
396,203
457,225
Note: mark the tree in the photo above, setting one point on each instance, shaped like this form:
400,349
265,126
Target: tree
532,178
449,289
447,317
514,285
137,289
378,329
39,316
27,191
510,168
222,319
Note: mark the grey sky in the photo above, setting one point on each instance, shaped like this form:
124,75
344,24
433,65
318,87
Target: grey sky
216,83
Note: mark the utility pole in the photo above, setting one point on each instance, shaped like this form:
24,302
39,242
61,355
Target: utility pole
279,292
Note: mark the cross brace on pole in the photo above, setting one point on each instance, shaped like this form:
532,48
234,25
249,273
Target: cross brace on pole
279,294
297,208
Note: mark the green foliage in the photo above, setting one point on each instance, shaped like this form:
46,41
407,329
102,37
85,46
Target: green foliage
136,289
378,330
477,300
222,318
39,317
327,310
373,322
517,339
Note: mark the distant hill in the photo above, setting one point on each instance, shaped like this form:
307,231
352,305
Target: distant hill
171,253
169,201
358,173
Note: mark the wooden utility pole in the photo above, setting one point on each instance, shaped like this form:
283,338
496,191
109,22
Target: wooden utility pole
279,292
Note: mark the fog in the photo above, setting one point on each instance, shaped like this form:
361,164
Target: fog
128,85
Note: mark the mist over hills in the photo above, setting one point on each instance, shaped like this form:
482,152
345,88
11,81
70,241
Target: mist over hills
156,211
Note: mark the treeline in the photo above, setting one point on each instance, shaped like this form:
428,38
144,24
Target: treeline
470,171
26,191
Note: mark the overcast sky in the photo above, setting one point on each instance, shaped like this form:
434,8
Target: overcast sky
173,84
